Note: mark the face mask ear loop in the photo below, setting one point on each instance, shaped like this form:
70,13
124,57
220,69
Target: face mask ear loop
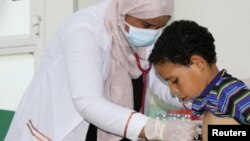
145,73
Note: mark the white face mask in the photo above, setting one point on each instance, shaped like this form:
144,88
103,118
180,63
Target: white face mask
139,37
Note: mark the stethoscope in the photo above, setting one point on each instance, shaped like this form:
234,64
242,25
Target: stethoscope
144,73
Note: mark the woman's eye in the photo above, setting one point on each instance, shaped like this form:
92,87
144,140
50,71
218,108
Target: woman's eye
146,25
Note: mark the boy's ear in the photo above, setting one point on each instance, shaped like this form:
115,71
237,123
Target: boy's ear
198,62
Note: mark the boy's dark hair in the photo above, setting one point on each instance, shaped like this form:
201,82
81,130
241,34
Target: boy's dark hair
182,39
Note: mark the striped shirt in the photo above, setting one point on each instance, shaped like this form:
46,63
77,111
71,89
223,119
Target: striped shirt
225,96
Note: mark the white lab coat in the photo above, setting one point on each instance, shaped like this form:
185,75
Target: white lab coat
67,90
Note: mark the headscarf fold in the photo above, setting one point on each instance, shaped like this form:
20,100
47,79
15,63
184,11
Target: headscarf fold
123,67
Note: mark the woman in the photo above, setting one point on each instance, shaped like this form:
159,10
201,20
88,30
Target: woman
86,74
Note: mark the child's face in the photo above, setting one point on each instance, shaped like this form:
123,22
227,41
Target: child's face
185,82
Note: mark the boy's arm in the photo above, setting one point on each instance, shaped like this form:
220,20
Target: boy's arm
210,119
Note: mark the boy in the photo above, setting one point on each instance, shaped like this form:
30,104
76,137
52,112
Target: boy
185,57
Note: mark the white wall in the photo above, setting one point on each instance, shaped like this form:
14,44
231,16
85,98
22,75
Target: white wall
56,11
229,22
84,3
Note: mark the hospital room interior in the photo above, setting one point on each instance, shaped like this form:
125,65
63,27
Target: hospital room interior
26,27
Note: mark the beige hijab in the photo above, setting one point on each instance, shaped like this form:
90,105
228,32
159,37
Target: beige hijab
118,85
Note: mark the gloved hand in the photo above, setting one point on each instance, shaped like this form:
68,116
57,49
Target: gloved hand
170,130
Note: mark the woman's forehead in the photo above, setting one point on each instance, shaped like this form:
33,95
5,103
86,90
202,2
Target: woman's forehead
160,21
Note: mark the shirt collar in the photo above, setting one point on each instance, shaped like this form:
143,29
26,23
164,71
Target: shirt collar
212,83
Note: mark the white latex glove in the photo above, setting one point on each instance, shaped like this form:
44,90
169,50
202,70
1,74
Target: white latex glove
170,130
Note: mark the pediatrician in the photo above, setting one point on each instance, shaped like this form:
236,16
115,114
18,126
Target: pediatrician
86,77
